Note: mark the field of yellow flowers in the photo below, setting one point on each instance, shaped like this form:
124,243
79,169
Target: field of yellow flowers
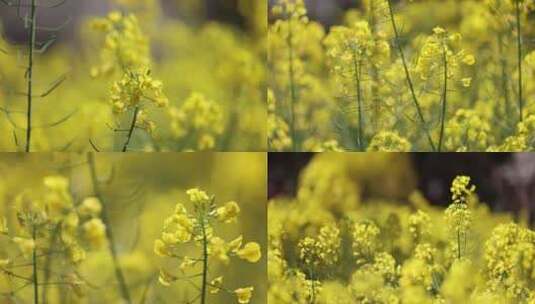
436,75
139,77
359,230
141,228
273,82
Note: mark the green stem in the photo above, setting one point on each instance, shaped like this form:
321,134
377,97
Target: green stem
48,265
374,72
356,67
313,287
293,92
459,245
444,98
519,55
131,130
123,288
204,262
29,74
408,77
313,295
34,270
504,84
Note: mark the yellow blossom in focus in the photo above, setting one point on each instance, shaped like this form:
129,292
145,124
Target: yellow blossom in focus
228,212
250,252
244,294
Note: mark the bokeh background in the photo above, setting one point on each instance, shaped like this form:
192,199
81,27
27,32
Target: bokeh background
141,190
505,181
233,12
331,12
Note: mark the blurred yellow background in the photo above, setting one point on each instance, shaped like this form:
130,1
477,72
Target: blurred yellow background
140,191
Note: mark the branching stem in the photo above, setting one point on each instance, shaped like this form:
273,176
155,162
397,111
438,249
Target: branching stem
408,77
131,130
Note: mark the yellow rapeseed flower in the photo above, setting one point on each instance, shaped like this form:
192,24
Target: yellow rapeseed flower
228,212
244,294
250,252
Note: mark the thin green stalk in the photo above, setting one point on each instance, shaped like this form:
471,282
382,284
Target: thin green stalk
293,92
48,265
504,68
519,57
131,130
357,69
408,77
34,270
374,71
204,261
123,288
313,288
29,74
459,245
444,98
313,296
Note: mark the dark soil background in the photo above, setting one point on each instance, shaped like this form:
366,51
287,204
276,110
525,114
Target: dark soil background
505,181
75,10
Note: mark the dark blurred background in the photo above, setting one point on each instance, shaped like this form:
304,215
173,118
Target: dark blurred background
505,181
328,12
217,10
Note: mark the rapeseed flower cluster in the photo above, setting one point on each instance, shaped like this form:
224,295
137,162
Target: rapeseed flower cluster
124,45
390,76
198,122
392,247
198,228
51,223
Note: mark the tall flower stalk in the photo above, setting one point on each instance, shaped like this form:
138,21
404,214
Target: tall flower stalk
204,282
519,58
183,227
34,47
126,50
35,279
119,275
353,52
408,77
29,73
504,81
444,97
291,85
458,215
290,26
358,88
439,56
